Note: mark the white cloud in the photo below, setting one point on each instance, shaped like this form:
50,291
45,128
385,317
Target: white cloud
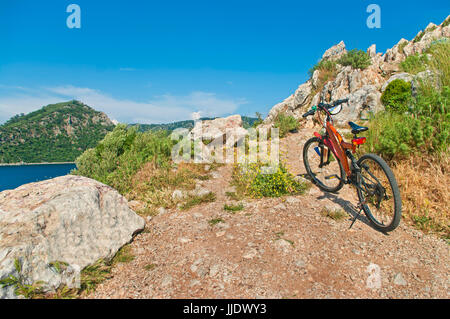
196,115
160,109
10,106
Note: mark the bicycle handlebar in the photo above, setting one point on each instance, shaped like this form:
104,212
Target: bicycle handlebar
310,112
339,102
324,106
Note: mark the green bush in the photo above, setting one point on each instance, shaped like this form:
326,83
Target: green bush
402,46
426,127
440,60
397,96
285,124
251,180
357,59
425,130
323,65
259,120
414,64
121,153
446,22
419,37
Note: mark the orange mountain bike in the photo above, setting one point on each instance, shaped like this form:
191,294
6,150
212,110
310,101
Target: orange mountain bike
330,163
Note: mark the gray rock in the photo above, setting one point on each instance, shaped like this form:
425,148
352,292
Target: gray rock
223,225
301,179
332,206
399,280
362,102
167,281
184,240
292,200
426,77
280,206
400,76
214,270
283,245
301,95
252,253
215,175
300,263
72,220
222,131
372,50
178,194
335,52
197,266
200,191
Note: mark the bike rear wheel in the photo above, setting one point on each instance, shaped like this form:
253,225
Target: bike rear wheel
330,176
378,193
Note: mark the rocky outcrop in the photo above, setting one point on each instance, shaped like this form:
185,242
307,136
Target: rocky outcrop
400,76
213,129
211,136
71,220
335,52
363,88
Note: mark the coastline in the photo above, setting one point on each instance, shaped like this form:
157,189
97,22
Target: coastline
43,163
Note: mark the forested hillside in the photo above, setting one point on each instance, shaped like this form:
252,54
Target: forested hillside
55,133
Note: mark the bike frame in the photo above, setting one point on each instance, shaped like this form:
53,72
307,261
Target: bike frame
334,141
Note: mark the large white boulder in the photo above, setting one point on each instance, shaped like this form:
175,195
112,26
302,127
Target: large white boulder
219,128
71,220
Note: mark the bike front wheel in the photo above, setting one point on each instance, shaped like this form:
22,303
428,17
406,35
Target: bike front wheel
378,193
322,166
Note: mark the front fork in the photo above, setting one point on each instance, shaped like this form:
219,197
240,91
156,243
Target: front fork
324,154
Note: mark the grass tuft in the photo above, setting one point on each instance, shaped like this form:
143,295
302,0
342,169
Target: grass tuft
150,267
233,208
215,221
337,214
197,200
124,255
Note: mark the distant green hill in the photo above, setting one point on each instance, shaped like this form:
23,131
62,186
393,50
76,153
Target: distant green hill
61,132
55,133
189,124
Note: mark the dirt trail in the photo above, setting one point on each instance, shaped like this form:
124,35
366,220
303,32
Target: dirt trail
278,248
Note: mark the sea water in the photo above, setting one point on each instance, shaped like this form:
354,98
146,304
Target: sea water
15,175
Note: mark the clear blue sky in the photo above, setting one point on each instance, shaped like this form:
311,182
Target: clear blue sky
158,61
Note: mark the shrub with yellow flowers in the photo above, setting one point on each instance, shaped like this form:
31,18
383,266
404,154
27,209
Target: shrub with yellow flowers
264,180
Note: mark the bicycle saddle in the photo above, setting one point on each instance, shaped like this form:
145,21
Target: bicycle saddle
356,129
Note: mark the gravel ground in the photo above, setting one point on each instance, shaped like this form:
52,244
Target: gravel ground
278,248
